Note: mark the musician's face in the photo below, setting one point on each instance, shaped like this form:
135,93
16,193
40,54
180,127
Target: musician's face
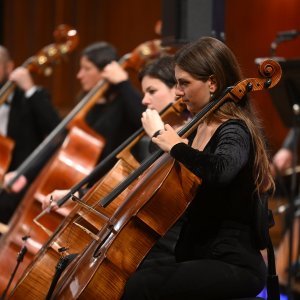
88,74
157,95
195,93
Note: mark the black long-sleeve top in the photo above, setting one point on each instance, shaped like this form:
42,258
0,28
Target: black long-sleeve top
226,193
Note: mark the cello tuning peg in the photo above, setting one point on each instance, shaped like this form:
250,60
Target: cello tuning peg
267,83
249,86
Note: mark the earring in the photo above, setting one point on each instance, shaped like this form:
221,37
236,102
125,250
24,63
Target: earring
211,95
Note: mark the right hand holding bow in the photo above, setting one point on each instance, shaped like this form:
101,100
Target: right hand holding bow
152,122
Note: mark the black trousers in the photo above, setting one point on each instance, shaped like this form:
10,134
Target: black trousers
232,270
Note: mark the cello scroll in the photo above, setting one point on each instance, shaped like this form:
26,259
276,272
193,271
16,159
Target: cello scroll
270,71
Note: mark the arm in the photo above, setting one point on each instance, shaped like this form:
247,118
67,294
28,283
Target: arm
229,154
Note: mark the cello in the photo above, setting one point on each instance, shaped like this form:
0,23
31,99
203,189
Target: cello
65,41
100,271
73,161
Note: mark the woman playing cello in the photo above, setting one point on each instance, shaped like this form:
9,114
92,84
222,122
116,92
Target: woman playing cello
217,256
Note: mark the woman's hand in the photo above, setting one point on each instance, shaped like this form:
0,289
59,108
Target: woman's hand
22,78
114,73
51,199
167,138
18,185
151,121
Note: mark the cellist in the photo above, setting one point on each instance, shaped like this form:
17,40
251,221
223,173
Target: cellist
27,117
217,253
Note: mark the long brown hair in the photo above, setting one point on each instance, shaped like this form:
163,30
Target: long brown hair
210,58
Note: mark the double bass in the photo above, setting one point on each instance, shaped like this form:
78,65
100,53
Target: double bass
66,40
143,215
73,161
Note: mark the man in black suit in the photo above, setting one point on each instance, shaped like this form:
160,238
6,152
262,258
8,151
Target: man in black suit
27,117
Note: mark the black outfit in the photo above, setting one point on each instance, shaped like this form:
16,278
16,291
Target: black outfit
30,121
216,254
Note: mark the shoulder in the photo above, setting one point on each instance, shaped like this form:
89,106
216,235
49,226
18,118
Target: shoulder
233,132
233,125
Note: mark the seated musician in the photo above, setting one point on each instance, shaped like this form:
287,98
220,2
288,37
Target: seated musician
217,255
